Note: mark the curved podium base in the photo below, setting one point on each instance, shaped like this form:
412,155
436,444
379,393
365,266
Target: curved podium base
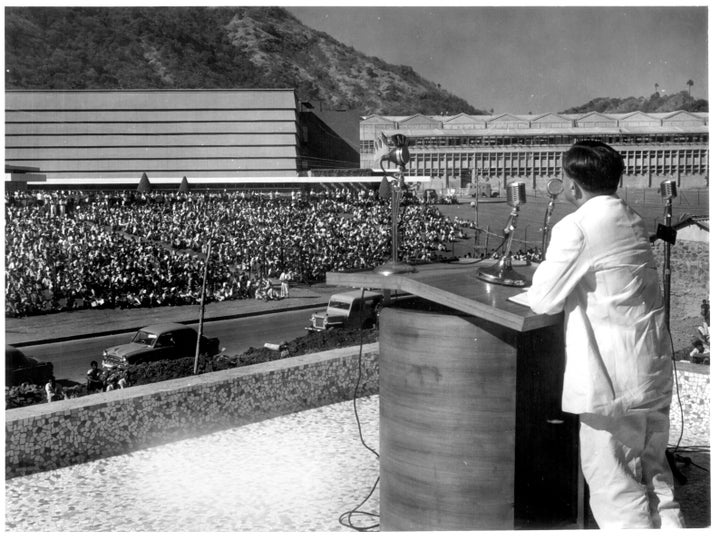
451,428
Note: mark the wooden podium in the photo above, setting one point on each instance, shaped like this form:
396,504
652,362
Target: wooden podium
472,436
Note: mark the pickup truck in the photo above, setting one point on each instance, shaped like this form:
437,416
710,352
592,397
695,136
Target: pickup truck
349,309
158,342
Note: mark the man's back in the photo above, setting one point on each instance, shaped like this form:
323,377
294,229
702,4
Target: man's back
600,270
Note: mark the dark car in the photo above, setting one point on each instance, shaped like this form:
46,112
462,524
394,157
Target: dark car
19,368
159,342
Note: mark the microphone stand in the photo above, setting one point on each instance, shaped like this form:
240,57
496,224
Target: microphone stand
502,272
668,235
399,156
554,188
666,269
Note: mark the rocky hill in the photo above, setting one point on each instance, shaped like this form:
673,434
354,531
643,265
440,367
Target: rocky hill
233,47
208,47
656,103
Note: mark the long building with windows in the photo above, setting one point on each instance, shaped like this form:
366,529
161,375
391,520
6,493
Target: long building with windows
255,137
211,137
457,151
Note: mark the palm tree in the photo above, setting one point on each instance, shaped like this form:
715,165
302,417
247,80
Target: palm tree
690,84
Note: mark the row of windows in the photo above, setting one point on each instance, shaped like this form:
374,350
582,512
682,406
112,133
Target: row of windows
367,147
549,163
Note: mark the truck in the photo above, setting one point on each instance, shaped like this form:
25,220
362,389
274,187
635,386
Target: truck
165,341
348,309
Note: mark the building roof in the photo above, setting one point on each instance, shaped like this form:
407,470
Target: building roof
636,122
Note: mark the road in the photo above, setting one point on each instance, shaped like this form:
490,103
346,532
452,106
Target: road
71,359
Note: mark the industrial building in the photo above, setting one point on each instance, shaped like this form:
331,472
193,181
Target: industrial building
211,137
457,151
261,137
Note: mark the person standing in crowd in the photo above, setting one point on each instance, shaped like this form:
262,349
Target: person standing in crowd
94,378
285,284
705,311
599,269
54,391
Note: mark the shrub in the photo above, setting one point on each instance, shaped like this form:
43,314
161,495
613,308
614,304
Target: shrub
26,394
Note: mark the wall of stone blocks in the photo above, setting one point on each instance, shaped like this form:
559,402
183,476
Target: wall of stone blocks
49,436
693,381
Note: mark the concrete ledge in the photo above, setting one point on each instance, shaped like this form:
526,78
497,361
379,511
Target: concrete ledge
48,436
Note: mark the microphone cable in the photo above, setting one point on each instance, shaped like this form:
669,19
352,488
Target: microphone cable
672,454
346,519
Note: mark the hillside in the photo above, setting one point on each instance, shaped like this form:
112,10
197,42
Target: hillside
656,103
233,47
208,47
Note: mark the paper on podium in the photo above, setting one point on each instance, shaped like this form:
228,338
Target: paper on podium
521,298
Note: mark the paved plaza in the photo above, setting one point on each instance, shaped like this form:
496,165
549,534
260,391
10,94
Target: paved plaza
295,473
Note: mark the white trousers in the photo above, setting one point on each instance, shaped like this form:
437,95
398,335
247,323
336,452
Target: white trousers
623,461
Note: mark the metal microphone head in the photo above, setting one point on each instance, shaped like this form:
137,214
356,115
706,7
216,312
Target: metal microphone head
516,194
668,189
554,187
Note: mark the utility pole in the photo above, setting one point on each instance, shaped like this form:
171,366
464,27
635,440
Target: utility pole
202,308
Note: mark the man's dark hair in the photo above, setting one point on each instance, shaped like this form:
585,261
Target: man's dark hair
595,166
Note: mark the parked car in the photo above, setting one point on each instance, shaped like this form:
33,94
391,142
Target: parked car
19,368
158,342
349,309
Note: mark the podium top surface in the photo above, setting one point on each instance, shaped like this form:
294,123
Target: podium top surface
456,286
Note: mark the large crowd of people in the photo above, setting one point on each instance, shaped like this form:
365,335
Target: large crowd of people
70,250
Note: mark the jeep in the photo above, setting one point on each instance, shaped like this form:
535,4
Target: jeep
349,309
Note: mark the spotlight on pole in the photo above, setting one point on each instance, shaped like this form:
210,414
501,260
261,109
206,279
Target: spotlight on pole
394,150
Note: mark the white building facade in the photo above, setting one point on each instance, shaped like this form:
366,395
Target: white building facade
456,151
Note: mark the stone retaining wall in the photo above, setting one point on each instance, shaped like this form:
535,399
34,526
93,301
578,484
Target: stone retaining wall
48,436
694,383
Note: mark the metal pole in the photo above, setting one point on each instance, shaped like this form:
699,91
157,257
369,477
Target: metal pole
487,239
666,275
202,309
394,211
477,210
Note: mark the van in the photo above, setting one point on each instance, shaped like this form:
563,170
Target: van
348,309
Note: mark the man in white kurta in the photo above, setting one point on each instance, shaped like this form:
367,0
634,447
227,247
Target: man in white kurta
599,269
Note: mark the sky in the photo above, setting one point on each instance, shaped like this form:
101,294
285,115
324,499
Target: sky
530,59
520,57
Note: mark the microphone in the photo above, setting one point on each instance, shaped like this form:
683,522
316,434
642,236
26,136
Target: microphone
400,156
668,189
502,272
554,188
516,194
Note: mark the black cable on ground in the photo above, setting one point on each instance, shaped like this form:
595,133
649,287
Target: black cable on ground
346,519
